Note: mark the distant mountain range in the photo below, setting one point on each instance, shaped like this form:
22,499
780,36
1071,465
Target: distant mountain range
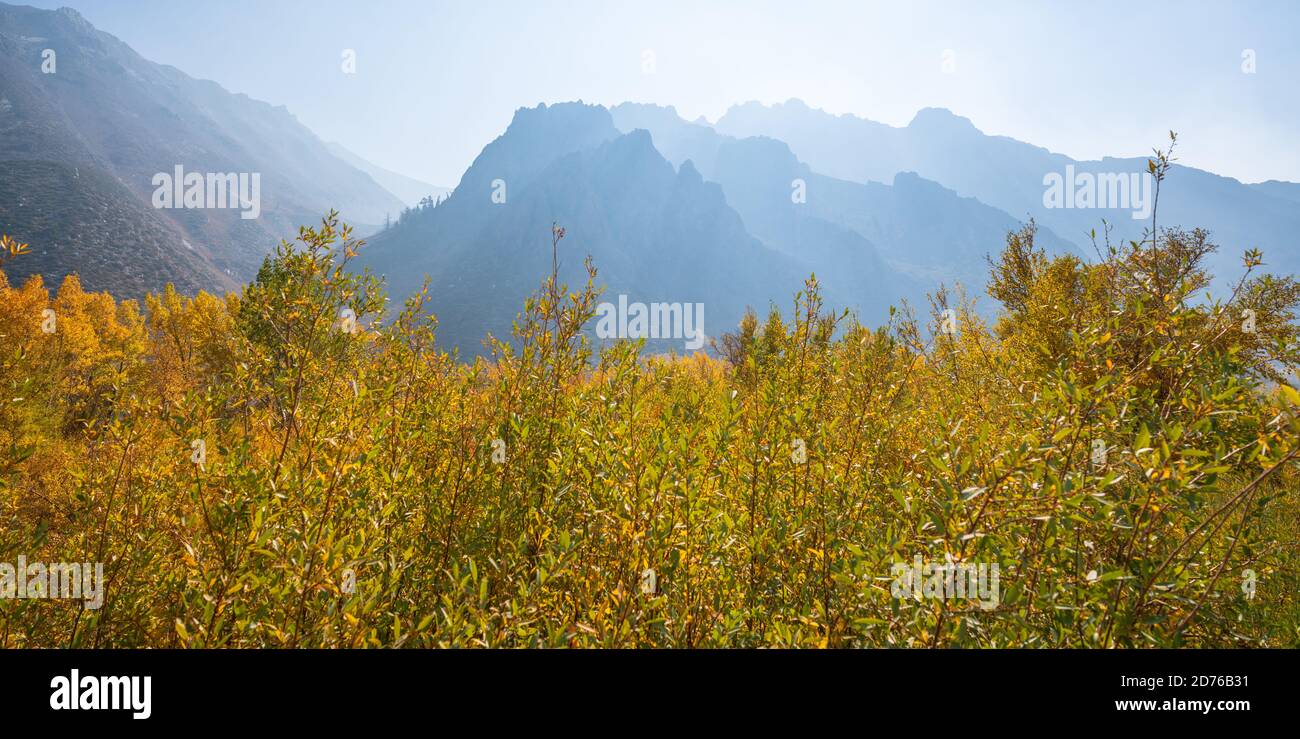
655,233
728,215
914,232
407,189
85,130
1009,175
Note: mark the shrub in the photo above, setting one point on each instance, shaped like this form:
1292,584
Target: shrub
1121,450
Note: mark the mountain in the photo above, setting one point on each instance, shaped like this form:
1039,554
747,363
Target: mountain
676,212
914,233
407,189
759,178
1279,189
656,233
100,148
1015,177
89,132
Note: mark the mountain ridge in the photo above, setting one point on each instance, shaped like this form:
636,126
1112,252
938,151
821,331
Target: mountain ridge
656,233
97,106
1011,175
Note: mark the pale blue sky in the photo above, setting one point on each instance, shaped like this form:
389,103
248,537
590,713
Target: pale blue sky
436,80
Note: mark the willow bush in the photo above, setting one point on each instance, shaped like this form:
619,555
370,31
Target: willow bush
293,467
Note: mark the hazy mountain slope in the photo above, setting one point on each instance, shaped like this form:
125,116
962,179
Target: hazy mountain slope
535,138
756,176
1279,189
655,234
79,220
60,196
407,189
110,116
1009,175
677,139
920,229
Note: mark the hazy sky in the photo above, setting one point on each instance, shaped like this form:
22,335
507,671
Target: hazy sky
436,80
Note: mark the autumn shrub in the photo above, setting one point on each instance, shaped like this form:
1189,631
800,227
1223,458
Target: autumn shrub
293,466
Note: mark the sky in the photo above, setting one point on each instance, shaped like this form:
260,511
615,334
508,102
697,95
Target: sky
436,80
